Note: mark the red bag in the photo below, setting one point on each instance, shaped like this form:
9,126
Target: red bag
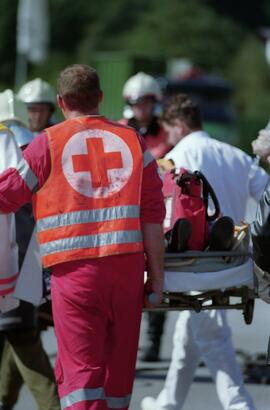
186,197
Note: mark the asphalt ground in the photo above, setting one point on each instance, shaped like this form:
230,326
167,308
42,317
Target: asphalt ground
248,339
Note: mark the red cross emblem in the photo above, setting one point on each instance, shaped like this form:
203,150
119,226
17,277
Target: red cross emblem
97,162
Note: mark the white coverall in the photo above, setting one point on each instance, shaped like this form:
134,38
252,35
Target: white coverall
10,156
235,178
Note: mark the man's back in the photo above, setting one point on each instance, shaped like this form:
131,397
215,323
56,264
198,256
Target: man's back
232,173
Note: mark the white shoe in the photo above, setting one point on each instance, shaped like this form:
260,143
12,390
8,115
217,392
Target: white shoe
149,403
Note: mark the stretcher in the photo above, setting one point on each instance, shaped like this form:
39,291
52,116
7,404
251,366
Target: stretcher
209,280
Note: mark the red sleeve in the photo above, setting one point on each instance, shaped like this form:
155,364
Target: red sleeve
152,202
38,156
14,190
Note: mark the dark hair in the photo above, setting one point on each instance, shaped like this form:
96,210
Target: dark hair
183,108
79,87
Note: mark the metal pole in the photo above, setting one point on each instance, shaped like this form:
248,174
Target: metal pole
20,70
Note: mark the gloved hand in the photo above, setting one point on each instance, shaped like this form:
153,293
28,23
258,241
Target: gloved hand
153,287
261,146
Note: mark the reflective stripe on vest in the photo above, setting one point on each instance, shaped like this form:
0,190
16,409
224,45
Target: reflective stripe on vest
91,241
83,217
27,175
147,158
94,394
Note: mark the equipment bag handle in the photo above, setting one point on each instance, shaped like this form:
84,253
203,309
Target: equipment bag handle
208,191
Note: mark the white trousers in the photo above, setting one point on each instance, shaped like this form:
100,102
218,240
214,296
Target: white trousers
205,336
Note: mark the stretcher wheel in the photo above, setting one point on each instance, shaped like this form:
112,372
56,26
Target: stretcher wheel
248,311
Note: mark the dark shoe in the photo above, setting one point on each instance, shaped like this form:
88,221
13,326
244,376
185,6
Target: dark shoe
221,236
151,354
179,236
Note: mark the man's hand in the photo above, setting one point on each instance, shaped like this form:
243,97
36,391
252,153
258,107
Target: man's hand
261,146
153,287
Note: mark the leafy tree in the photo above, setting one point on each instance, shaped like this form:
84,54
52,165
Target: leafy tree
245,12
8,12
251,76
186,28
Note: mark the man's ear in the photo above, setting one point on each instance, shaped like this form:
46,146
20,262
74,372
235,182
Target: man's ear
100,97
60,102
182,126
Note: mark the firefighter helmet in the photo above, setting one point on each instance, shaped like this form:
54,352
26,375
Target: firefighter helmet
37,91
141,85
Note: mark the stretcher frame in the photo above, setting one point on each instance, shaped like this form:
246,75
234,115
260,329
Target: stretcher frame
211,299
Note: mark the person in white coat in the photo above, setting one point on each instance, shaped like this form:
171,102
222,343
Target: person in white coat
11,157
235,177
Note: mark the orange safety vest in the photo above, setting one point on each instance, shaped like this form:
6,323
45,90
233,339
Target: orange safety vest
90,205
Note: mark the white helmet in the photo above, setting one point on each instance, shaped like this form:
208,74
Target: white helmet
12,108
37,91
13,114
141,85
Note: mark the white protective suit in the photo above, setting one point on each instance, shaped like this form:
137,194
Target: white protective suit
235,178
10,156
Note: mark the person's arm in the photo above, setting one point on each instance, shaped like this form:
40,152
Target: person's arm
22,179
260,232
153,240
152,216
10,152
258,178
261,145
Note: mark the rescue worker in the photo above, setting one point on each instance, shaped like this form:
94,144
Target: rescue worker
98,205
142,93
23,358
39,97
207,336
11,157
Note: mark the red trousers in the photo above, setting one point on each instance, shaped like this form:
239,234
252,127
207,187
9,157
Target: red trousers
97,305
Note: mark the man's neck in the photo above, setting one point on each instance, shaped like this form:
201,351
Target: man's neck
73,114
191,131
188,132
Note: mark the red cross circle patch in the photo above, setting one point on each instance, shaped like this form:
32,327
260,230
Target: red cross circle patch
97,163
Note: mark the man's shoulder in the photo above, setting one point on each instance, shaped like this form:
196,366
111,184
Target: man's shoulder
121,124
5,134
3,127
4,130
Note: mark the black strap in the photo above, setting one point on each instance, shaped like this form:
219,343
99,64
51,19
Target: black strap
208,191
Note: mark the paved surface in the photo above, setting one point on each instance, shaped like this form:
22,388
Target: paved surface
149,379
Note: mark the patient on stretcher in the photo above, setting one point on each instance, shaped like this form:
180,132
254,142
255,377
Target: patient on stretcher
220,238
